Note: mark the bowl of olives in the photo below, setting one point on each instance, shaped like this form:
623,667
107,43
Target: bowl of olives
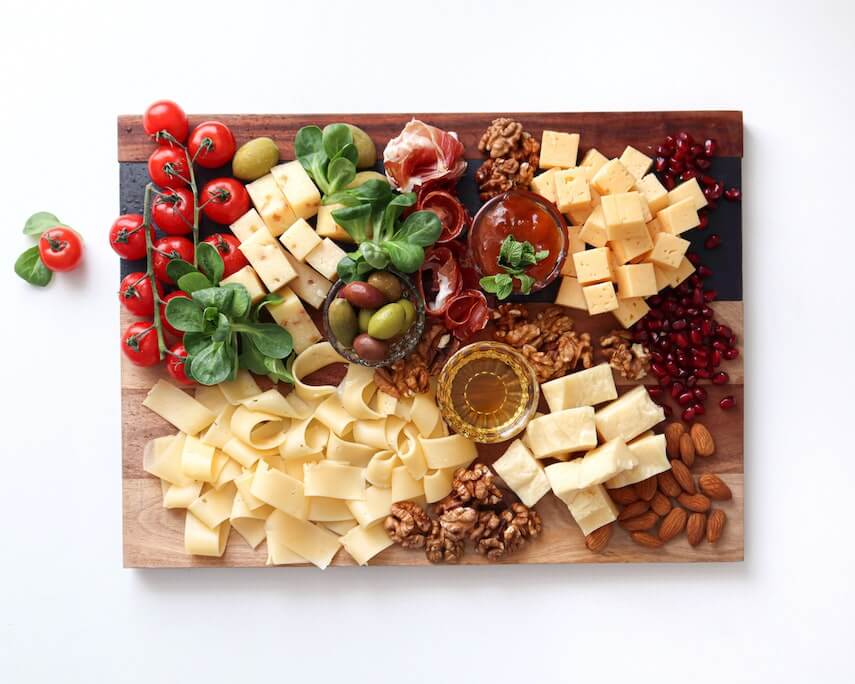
376,321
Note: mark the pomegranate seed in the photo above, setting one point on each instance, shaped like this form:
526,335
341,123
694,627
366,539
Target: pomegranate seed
710,147
679,324
686,137
655,300
691,381
655,391
672,368
720,378
688,415
694,258
660,164
703,373
663,345
727,402
698,297
656,313
723,331
704,271
665,381
710,295
712,241
658,370
720,346
715,359
685,398
717,190
688,174
653,324
708,181
669,182
669,141
711,204
707,312
665,150
731,354
677,389
675,166
699,409
669,412
707,327
683,359
696,337
680,340
680,154
733,194
700,393
640,336
703,164
683,288
695,280
700,362
693,311
704,220
657,357
679,311
695,151
666,326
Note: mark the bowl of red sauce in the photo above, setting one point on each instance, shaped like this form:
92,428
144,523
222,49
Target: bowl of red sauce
528,218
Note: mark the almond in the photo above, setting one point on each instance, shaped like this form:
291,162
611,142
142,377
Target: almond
714,487
694,502
623,495
703,440
660,504
646,489
634,509
673,524
695,527
687,450
683,476
668,485
673,432
646,539
640,522
715,525
599,538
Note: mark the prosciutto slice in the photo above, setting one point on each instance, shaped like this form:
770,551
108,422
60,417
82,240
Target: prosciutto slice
422,155
467,314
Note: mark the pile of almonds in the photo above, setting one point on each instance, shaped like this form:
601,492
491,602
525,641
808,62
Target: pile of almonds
673,500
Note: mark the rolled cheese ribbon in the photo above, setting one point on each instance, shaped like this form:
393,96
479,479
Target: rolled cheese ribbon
379,469
259,430
437,484
357,389
314,358
410,452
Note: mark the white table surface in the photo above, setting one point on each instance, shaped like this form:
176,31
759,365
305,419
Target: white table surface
70,613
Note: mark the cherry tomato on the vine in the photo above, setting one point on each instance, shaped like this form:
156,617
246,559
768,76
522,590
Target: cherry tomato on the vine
139,343
227,246
176,364
211,144
127,237
165,323
135,294
224,200
167,167
165,116
172,211
165,250
61,249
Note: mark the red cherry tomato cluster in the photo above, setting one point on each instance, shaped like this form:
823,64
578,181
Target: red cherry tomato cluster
209,145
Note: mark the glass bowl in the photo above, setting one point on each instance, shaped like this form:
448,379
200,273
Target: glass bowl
487,392
399,347
484,246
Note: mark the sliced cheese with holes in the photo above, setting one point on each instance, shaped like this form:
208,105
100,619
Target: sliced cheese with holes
292,316
308,285
268,259
271,204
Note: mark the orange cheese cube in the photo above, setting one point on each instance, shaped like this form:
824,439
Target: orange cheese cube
594,229
636,280
637,163
624,216
572,190
600,298
630,311
594,265
544,185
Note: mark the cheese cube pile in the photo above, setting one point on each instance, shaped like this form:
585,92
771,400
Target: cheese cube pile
595,449
625,242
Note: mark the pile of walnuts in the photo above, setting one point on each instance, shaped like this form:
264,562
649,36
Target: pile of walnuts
631,360
474,510
513,158
548,342
411,375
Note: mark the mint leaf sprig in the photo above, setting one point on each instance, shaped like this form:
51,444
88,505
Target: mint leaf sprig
514,258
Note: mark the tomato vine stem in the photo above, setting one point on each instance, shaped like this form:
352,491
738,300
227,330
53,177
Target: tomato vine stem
149,249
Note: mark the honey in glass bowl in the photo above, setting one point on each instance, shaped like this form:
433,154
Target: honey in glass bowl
487,392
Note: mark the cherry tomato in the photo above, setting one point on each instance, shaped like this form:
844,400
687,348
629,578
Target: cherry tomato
139,343
172,211
224,200
175,364
165,250
127,237
135,294
61,249
211,144
166,326
165,116
227,246
167,167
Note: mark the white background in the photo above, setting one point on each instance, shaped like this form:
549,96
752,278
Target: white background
68,612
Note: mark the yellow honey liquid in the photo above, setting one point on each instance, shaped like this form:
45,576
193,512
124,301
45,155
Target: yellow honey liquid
485,394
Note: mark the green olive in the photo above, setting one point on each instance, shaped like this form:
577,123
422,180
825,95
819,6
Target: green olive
409,314
342,320
364,146
386,322
387,283
255,158
365,176
364,316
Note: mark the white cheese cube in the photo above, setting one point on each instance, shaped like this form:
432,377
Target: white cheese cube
637,163
309,285
600,298
594,229
250,280
594,159
584,388
327,227
300,239
631,310
544,185
562,432
650,453
324,258
689,189
592,508
271,204
291,315
522,473
298,188
558,149
612,178
268,259
668,250
653,191
629,416
247,225
680,217
593,468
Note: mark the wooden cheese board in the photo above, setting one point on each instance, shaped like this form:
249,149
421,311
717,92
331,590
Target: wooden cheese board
153,536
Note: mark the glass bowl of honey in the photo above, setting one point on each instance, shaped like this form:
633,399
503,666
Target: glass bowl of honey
487,392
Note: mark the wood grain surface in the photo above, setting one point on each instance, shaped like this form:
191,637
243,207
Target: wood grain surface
610,132
153,536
